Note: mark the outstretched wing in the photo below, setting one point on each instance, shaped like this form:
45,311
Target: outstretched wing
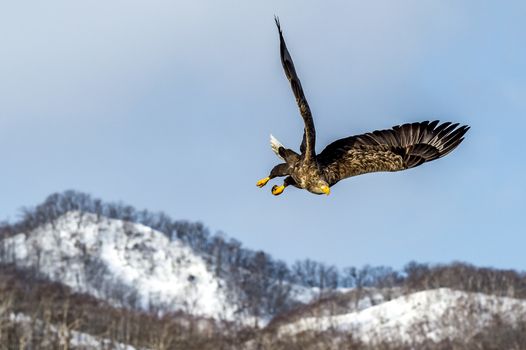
309,135
402,147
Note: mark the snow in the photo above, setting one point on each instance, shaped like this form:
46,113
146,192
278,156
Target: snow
76,338
88,341
80,249
427,315
307,295
304,294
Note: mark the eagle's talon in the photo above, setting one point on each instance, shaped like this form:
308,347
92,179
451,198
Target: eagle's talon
277,190
262,182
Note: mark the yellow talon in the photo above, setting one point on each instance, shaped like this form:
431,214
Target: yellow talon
277,190
262,182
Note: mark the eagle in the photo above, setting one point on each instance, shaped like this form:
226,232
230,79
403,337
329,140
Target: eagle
399,148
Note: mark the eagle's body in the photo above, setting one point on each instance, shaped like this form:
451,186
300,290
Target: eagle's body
399,148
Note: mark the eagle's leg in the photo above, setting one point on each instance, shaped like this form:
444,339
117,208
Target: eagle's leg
277,190
278,170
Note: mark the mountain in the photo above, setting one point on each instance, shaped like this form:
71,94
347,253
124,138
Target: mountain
79,272
118,260
431,315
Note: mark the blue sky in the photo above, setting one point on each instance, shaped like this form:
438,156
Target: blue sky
168,105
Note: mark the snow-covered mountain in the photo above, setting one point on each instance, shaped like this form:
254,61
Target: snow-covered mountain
118,260
135,266
431,315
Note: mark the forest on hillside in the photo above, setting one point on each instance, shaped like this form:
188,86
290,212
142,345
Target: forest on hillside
36,313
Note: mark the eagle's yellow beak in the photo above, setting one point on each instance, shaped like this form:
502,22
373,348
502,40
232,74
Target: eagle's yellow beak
326,190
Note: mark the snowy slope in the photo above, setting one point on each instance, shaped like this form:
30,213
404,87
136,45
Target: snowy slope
74,339
116,260
307,295
427,315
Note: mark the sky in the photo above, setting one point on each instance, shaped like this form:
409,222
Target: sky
168,105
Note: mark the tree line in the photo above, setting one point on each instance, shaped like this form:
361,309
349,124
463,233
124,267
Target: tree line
262,285
38,314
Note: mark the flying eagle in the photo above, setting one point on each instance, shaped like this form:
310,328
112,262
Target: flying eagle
401,147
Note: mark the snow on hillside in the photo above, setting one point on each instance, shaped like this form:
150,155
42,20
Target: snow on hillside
72,338
101,256
427,315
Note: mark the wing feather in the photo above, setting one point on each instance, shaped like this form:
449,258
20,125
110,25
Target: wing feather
309,133
402,147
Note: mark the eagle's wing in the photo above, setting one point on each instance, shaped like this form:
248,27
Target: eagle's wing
309,135
402,147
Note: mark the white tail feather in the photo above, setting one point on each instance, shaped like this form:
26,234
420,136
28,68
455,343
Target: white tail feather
275,144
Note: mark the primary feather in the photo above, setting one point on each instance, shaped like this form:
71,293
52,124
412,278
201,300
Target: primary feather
399,148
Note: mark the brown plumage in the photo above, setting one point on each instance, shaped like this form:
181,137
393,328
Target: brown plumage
402,147
399,148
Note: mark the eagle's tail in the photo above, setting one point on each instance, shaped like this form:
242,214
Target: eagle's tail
275,145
